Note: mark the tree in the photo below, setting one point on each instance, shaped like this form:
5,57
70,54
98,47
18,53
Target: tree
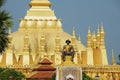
119,56
10,74
119,59
5,24
85,77
53,77
2,2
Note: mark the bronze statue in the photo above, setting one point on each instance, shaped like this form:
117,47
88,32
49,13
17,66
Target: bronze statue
68,50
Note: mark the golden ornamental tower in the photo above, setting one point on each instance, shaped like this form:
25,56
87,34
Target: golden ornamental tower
40,35
89,51
102,46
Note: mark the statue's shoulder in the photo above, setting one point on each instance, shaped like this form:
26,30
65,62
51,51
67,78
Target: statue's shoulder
64,46
71,45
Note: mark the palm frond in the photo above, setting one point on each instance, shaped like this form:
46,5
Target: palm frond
3,40
5,19
2,2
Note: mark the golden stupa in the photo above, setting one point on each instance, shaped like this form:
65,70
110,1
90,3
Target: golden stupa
40,35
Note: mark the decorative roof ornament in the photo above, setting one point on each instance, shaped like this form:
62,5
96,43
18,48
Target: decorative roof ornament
89,31
113,58
102,28
98,33
73,33
79,38
40,3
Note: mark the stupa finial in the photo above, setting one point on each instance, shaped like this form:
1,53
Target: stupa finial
102,28
113,58
40,3
79,38
73,33
89,32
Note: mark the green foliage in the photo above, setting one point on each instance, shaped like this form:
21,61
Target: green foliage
3,40
119,56
85,77
5,20
5,24
2,2
34,79
10,74
119,59
53,77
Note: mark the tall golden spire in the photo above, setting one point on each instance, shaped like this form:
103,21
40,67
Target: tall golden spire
89,38
113,58
94,39
98,37
102,35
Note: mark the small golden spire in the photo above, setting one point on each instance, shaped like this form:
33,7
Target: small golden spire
79,38
89,31
94,39
113,58
73,33
73,39
102,28
89,38
98,34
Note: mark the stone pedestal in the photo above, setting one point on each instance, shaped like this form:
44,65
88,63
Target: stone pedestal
68,70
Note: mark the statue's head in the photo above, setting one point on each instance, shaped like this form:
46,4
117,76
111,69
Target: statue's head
68,41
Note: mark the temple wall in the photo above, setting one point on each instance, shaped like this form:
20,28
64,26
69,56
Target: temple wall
9,59
90,56
104,72
104,56
97,55
84,57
